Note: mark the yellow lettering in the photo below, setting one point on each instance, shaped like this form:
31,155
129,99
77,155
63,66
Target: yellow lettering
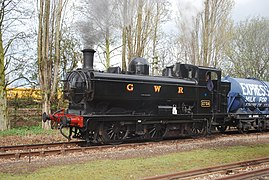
157,88
180,90
130,87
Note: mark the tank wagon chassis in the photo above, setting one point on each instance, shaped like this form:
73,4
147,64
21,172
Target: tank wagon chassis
114,106
245,121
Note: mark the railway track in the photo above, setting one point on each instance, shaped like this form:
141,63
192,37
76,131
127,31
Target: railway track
248,175
227,169
20,151
28,151
37,146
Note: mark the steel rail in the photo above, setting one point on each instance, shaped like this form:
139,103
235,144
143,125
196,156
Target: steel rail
65,147
38,146
209,170
247,175
62,150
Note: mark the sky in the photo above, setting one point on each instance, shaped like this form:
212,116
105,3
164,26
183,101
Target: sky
244,9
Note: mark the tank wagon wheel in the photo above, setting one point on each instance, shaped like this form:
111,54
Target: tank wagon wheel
242,129
261,126
113,132
156,132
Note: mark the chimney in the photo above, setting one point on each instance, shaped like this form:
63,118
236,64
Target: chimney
88,58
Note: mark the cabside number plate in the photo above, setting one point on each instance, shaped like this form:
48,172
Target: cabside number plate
205,103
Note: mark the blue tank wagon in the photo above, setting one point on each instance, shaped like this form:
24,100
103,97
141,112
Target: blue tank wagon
248,103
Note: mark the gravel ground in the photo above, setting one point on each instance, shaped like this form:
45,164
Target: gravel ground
155,149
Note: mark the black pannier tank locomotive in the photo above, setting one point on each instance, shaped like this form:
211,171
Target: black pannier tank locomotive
111,107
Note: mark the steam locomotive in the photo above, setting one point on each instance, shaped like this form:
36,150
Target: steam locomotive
187,100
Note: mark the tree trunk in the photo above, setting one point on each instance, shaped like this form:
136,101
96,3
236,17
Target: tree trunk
43,57
107,48
154,54
123,55
130,43
124,36
4,122
206,34
139,28
56,66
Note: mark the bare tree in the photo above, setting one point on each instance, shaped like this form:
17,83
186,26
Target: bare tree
170,51
11,15
215,30
140,25
4,124
161,14
139,29
188,20
127,11
124,36
56,63
248,55
209,33
99,27
49,32
143,30
43,55
70,47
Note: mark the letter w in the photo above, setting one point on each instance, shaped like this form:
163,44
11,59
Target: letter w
157,88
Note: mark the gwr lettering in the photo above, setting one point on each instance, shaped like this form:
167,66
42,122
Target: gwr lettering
157,88
180,90
130,87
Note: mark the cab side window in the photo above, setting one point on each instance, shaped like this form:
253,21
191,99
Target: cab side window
209,82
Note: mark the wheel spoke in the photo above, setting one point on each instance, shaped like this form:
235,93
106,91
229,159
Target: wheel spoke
113,132
153,134
151,131
156,131
110,132
110,135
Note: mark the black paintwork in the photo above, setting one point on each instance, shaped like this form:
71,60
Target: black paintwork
118,105
91,93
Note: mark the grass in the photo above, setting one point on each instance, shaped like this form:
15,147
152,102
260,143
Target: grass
137,168
24,131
